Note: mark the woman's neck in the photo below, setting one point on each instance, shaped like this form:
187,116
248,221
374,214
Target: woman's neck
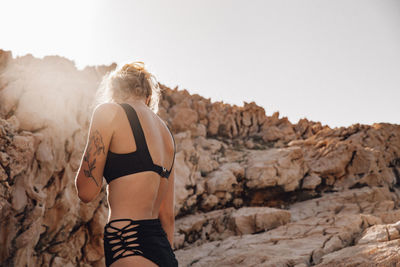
136,101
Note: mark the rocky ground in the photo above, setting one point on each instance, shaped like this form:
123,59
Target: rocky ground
251,189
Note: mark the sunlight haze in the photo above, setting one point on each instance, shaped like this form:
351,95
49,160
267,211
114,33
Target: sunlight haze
337,62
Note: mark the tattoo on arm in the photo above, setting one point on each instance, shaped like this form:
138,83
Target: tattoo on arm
95,147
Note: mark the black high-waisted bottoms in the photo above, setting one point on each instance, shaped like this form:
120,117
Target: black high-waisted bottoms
144,237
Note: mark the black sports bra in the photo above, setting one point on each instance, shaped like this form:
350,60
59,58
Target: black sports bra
118,165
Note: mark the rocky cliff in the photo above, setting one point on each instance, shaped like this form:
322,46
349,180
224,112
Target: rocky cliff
251,189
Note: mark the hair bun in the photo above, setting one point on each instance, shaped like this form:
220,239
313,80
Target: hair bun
132,79
134,66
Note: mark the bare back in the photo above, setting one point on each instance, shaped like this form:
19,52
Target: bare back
139,195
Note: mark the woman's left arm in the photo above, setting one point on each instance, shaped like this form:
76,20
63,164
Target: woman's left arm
89,179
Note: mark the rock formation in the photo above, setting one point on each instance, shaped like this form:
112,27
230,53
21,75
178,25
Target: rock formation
251,189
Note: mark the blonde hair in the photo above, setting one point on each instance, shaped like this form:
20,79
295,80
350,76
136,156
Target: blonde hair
130,80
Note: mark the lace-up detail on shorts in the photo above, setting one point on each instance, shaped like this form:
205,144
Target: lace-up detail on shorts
138,237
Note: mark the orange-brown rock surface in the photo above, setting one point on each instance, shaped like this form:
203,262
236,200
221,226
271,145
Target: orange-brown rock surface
251,189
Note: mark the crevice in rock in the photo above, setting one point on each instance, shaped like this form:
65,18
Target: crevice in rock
358,185
393,165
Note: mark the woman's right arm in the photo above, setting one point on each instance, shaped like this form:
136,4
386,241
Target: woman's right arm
166,214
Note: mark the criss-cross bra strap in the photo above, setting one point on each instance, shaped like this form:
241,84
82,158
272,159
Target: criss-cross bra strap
137,130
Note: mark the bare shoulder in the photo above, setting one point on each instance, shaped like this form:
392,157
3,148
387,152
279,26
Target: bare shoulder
107,106
106,111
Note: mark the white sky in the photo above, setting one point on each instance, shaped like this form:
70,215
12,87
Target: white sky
335,61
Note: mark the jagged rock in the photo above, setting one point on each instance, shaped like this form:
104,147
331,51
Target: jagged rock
380,233
5,58
182,175
211,145
311,181
4,159
44,153
14,122
183,119
201,108
3,174
219,224
276,167
228,158
333,158
235,168
199,130
364,200
223,180
22,152
8,230
209,202
272,133
313,238
249,220
19,197
375,254
206,163
249,144
179,239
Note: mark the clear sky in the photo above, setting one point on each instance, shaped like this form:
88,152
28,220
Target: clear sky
337,62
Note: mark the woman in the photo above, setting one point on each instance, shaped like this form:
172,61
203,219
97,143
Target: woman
134,150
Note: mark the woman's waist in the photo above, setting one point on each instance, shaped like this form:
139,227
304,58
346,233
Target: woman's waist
142,226
133,221
131,212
